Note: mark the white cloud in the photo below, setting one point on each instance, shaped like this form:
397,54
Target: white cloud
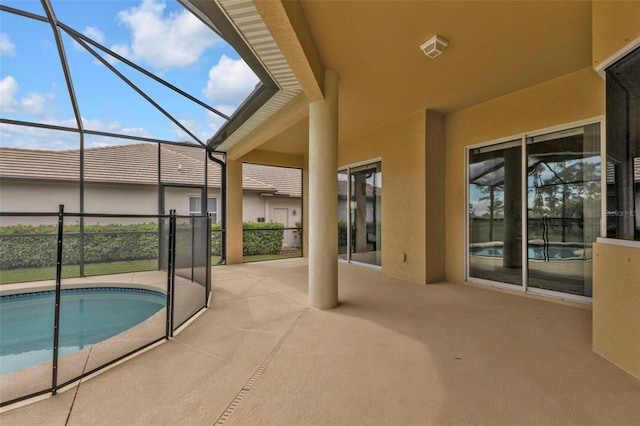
37,138
101,126
176,40
8,91
6,46
215,122
134,131
113,127
230,82
33,103
193,126
26,137
121,49
95,34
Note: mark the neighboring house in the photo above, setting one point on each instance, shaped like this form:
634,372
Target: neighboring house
123,179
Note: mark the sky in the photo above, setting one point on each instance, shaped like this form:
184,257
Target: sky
158,35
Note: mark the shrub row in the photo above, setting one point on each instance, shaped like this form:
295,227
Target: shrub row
257,238
24,246
262,238
36,246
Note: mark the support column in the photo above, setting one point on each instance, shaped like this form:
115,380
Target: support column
323,197
234,212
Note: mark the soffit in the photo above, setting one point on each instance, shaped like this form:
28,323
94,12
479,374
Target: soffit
495,48
292,141
244,17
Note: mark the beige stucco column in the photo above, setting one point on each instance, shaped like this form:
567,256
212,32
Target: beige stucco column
234,212
323,197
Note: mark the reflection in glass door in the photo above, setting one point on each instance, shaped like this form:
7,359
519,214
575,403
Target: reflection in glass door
343,213
562,186
359,214
495,221
564,208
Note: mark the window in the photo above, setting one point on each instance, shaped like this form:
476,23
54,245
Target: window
360,214
623,148
212,207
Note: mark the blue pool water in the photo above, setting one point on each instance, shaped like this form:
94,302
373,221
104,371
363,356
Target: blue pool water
535,252
87,316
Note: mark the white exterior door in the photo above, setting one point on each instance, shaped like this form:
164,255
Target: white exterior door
281,215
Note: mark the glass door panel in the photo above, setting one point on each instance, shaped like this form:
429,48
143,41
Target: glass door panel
360,214
343,215
564,208
495,220
364,207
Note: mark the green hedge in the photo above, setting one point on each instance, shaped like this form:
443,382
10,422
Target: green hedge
24,246
257,238
216,239
262,238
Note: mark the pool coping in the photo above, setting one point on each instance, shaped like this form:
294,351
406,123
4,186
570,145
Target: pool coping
33,383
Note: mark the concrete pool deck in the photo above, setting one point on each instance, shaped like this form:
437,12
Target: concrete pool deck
393,352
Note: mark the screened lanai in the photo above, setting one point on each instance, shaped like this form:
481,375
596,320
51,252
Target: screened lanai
122,73
111,184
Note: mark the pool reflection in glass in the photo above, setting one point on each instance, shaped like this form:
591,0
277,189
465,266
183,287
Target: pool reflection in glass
564,207
494,213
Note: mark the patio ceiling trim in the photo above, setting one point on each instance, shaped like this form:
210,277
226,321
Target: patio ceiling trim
281,86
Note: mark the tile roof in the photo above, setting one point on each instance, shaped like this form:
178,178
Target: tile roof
137,164
287,181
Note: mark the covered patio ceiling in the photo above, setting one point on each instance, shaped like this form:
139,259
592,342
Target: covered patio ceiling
495,48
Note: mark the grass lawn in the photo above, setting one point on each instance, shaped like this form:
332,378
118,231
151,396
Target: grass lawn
260,258
70,271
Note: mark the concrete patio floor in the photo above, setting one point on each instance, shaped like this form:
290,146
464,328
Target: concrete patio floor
393,352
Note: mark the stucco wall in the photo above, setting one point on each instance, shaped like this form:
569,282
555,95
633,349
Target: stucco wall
616,305
113,199
37,197
401,146
616,270
252,207
570,98
176,198
435,197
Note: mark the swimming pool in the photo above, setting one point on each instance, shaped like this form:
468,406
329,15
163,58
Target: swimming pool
87,316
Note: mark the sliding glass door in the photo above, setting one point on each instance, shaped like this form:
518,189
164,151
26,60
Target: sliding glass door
495,219
343,214
360,214
564,208
556,185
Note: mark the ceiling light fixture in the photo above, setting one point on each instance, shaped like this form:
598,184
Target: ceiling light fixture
434,46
